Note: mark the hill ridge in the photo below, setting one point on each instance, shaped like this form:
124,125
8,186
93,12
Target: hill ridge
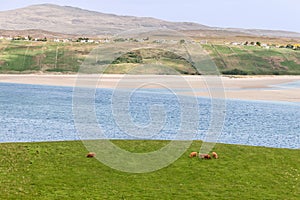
78,21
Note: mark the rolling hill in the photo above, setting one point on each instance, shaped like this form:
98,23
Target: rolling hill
71,20
53,21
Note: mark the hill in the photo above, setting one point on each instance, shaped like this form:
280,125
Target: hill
71,20
35,33
69,24
254,60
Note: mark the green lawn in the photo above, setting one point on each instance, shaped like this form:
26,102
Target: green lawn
60,170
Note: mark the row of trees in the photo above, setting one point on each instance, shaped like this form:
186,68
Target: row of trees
252,43
290,46
85,39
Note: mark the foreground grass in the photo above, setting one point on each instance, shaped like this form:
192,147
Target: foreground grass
60,170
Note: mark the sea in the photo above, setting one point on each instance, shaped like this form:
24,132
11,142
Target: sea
39,113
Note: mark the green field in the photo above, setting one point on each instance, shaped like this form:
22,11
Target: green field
28,57
60,170
254,60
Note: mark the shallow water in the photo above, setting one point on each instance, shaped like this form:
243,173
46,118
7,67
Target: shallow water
290,85
44,113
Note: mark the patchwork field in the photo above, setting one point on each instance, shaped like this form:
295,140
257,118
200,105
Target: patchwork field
47,57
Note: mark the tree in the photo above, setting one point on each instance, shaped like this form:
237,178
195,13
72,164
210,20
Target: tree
290,46
258,43
82,39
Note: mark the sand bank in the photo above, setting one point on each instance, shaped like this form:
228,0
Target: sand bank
248,87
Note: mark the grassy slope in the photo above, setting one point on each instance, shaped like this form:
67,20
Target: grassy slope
26,57
255,60
22,57
59,170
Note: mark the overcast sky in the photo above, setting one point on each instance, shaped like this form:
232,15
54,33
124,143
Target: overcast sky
262,14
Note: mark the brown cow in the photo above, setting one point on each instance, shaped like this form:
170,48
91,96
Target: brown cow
193,154
91,155
215,155
204,156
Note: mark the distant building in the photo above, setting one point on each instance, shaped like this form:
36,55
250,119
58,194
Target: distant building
173,41
159,41
104,40
296,46
235,43
66,40
265,46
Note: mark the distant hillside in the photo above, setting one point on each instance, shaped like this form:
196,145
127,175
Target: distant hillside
268,33
71,20
35,33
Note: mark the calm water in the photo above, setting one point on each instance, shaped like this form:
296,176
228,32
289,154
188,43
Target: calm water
44,113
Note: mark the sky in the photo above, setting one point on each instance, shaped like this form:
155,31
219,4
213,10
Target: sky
259,14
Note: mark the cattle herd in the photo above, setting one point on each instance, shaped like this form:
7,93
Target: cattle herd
204,156
192,154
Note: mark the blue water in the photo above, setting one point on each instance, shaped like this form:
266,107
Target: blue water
290,85
44,113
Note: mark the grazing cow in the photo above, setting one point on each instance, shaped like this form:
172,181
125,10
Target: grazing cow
91,155
215,155
193,154
204,156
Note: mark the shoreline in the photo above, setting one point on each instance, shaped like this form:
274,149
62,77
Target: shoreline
232,87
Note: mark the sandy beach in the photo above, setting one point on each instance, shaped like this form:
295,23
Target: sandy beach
247,88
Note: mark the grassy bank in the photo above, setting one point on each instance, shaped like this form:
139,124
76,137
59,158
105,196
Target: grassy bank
49,57
27,57
254,60
60,170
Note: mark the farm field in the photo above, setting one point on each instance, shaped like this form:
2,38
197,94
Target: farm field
60,170
28,57
52,57
253,60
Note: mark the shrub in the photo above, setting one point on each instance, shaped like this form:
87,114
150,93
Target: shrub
234,72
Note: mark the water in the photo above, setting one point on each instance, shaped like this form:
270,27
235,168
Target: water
290,85
31,113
